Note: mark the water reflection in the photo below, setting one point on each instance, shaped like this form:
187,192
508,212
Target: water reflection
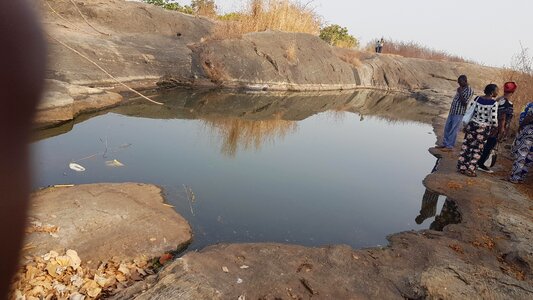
449,213
429,206
216,105
317,179
247,134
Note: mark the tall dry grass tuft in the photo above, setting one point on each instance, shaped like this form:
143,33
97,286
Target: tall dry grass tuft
350,56
262,15
521,72
246,134
415,50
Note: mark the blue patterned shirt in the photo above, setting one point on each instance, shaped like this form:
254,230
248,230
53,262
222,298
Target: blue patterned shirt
526,112
458,106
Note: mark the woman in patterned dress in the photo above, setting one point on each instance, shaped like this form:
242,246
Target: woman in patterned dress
484,119
523,146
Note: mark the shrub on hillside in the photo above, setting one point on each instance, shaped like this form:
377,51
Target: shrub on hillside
338,36
167,4
262,15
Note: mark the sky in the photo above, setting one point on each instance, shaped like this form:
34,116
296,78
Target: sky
485,31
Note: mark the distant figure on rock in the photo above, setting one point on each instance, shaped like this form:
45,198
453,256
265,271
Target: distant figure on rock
483,119
379,45
457,111
505,115
523,146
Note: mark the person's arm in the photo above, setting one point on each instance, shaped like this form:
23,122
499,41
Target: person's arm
22,64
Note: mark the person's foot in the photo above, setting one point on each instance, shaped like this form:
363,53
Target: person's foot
444,149
485,169
511,180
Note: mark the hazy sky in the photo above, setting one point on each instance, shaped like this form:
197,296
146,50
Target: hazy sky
487,31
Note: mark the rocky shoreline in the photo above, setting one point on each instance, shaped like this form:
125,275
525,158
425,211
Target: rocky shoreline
162,49
489,254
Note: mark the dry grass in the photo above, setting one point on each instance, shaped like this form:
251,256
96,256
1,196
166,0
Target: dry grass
247,134
350,56
262,15
415,50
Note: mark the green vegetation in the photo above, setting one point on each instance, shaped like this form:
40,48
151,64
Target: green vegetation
338,36
199,7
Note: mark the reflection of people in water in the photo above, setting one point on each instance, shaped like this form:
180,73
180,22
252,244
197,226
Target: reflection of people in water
429,206
449,215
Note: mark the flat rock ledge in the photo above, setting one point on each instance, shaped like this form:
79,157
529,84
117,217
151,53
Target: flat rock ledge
102,221
63,102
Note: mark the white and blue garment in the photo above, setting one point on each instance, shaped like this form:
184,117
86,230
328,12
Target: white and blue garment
523,148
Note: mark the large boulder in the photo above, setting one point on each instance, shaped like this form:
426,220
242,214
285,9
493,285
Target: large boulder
102,221
135,42
276,61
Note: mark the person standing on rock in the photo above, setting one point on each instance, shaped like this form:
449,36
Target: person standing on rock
505,115
484,119
523,146
457,111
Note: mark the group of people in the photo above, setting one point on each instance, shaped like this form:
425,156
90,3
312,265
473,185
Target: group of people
486,121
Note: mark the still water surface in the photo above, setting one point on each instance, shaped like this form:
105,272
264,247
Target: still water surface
328,176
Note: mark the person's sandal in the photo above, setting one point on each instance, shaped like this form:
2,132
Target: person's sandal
470,174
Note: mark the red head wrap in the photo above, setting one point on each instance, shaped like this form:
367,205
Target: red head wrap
509,87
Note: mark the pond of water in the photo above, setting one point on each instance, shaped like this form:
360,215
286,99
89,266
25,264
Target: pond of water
304,169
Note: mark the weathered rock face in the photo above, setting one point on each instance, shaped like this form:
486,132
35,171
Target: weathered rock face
302,62
134,42
101,221
277,61
412,74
